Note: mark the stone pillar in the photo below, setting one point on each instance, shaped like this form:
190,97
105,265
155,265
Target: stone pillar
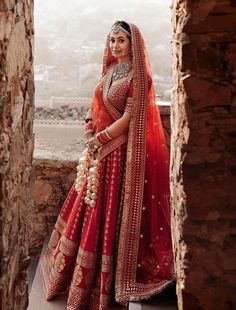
203,161
16,148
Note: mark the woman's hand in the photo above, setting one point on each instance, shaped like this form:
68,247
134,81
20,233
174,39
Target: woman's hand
88,135
93,144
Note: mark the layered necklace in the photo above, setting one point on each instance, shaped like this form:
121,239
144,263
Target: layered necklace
121,70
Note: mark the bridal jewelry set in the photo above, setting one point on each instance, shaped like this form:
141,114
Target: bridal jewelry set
121,70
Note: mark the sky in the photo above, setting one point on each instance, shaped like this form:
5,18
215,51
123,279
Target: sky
68,31
145,14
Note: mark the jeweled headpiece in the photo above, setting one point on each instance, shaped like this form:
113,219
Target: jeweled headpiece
117,27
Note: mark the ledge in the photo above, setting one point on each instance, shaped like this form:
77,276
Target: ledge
62,140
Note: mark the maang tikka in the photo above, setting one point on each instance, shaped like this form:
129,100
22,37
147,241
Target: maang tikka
117,28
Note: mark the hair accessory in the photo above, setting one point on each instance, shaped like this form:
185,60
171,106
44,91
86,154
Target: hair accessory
116,28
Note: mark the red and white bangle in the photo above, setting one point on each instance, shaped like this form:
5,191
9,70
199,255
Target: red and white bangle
103,137
88,116
108,135
89,127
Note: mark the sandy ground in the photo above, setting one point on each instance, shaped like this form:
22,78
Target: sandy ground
59,140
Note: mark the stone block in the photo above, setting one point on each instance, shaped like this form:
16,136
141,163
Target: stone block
211,23
204,93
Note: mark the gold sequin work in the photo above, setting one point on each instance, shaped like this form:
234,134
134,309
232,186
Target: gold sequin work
118,93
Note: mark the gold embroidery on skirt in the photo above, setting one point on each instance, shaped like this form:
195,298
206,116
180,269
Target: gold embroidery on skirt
67,246
60,224
78,275
107,263
60,262
85,259
77,296
108,282
55,237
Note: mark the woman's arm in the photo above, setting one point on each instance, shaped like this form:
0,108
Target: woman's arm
114,130
119,126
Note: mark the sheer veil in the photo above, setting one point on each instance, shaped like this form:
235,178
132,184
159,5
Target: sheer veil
146,203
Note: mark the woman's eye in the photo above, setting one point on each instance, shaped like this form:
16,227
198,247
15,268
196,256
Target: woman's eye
119,41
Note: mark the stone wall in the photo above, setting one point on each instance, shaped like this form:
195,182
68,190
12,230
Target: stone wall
53,179
203,161
16,148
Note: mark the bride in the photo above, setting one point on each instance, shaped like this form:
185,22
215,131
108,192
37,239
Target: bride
112,243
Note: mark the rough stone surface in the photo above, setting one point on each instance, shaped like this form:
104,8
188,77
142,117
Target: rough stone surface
203,161
16,148
65,112
53,180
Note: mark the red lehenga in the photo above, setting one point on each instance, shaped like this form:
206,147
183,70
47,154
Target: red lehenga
120,250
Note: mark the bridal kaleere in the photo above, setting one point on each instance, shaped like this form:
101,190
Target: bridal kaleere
112,242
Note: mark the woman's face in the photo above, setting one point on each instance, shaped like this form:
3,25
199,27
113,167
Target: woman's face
120,46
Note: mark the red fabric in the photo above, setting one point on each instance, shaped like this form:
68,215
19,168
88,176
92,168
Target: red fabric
155,258
101,118
93,232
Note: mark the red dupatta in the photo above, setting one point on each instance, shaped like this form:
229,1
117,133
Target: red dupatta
145,240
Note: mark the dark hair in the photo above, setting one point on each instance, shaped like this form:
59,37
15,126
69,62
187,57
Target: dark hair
123,24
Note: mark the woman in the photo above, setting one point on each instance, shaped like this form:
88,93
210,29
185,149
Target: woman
111,243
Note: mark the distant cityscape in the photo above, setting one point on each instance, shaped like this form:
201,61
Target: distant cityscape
70,38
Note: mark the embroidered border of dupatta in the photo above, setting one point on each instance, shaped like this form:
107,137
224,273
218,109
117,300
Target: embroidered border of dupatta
127,288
